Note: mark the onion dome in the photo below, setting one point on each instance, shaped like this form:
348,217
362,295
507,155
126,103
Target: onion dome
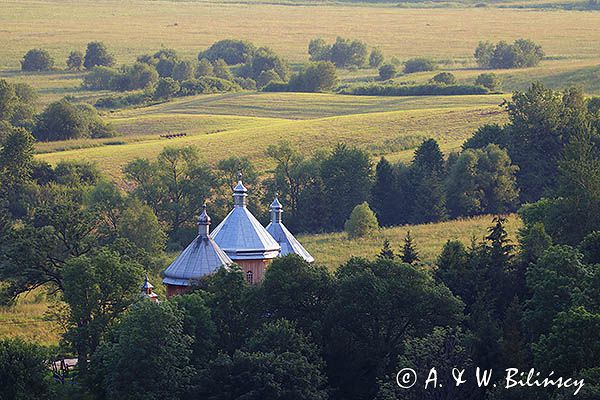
288,243
202,257
240,235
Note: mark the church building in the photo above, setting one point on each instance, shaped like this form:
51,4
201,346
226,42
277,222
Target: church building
239,238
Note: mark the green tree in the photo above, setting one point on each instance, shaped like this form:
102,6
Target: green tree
97,289
319,50
24,370
229,50
386,251
204,68
488,80
362,222
184,70
446,78
409,254
146,355
455,270
299,292
387,71
419,65
267,77
75,60
316,77
166,88
427,174
221,70
265,59
376,58
377,306
37,60
348,53
346,174
383,193
63,120
174,186
140,226
97,54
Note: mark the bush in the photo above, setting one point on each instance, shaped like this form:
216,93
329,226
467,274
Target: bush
246,83
24,372
419,65
522,53
204,68
489,81
75,60
379,89
221,70
267,77
229,50
316,77
101,78
445,78
63,120
166,88
122,101
207,85
97,54
387,71
183,70
362,222
137,76
37,60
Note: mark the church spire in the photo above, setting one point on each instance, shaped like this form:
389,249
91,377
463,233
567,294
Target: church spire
203,223
240,193
276,210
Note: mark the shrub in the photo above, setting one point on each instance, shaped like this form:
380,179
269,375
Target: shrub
75,60
267,77
489,81
166,88
207,85
37,60
229,50
122,101
387,71
316,77
376,58
183,70
246,83
362,222
23,370
97,54
101,78
204,68
419,65
137,76
379,89
445,78
221,70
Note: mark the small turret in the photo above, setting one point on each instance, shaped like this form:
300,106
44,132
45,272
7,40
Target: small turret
203,223
240,193
288,243
276,210
148,290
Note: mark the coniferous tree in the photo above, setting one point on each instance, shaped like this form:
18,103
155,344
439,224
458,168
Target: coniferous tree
383,196
409,250
386,251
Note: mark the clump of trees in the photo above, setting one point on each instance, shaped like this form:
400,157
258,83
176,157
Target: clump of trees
419,64
523,53
488,80
344,53
444,78
231,51
37,60
387,71
316,77
97,54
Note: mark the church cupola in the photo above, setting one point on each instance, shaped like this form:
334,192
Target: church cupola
240,193
203,224
148,290
288,243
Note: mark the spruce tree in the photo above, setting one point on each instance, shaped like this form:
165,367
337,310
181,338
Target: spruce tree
409,251
382,194
386,252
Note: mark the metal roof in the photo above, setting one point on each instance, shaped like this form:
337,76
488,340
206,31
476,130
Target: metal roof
288,243
240,235
202,257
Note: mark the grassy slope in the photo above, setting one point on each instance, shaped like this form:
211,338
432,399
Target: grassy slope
393,132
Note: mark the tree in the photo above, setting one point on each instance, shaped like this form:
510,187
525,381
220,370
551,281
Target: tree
298,292
166,88
362,222
139,225
376,58
445,78
386,251
387,71
419,65
37,60
146,355
183,70
522,53
165,65
204,68
97,54
409,250
97,289
24,370
488,80
221,70
265,59
63,120
383,193
348,53
75,60
229,50
174,186
16,165
377,306
316,77
267,77
426,174
346,174
319,50
455,270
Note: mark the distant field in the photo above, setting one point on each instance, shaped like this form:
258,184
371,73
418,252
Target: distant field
334,249
135,27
